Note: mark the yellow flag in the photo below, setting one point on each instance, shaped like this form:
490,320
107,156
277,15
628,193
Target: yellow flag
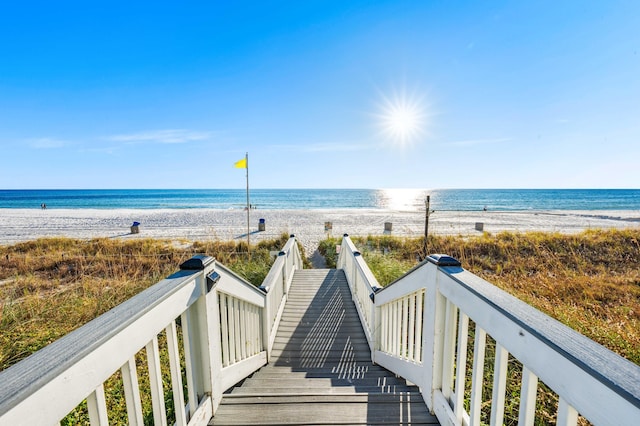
242,164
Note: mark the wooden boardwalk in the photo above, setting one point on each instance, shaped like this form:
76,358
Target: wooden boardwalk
321,370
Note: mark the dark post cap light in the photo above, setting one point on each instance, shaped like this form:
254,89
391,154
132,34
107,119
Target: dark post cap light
197,263
443,260
212,280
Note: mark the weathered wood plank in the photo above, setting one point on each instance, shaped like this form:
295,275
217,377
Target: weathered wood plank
236,399
274,390
314,383
395,412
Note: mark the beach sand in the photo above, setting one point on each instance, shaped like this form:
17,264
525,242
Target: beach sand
18,225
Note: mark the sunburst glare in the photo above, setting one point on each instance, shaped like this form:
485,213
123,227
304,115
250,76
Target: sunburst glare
403,119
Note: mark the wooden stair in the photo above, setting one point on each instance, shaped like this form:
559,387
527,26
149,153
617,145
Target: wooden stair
320,372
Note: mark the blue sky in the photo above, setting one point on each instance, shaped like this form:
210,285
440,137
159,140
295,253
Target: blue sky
526,94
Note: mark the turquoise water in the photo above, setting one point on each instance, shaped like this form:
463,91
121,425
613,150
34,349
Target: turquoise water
399,199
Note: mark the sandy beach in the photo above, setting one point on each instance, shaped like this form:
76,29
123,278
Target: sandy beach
18,225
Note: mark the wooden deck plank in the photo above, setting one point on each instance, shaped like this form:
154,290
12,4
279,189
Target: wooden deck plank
348,413
275,390
315,398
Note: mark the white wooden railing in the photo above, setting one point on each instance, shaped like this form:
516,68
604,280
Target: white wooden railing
362,284
421,326
213,324
277,284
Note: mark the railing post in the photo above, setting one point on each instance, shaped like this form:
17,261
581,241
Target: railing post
340,262
266,324
204,333
433,328
354,282
375,328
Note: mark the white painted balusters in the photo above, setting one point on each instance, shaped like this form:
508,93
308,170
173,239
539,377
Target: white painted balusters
155,383
276,285
400,331
97,407
240,328
132,392
567,415
363,286
528,393
499,385
461,365
176,374
477,376
449,350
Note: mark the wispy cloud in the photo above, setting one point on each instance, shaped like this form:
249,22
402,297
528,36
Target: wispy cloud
324,147
47,143
167,136
472,142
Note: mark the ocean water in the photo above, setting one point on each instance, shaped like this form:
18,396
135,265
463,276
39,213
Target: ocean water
397,199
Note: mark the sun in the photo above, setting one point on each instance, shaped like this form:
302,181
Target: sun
402,119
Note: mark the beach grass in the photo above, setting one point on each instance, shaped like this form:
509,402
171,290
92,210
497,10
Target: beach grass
48,287
589,281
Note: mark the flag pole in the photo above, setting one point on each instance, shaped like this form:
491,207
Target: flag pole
246,159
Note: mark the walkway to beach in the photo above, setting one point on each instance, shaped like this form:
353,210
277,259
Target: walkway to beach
321,370
323,347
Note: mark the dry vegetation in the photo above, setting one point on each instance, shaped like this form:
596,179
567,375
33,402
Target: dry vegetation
589,281
49,287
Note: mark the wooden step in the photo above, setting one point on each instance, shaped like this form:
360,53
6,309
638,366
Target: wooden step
347,412
364,390
314,383
274,374
234,399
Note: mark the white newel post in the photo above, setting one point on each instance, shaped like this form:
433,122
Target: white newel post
355,276
433,328
212,330
375,328
285,275
266,324
204,334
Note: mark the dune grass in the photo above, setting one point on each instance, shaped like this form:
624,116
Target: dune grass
589,281
48,287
